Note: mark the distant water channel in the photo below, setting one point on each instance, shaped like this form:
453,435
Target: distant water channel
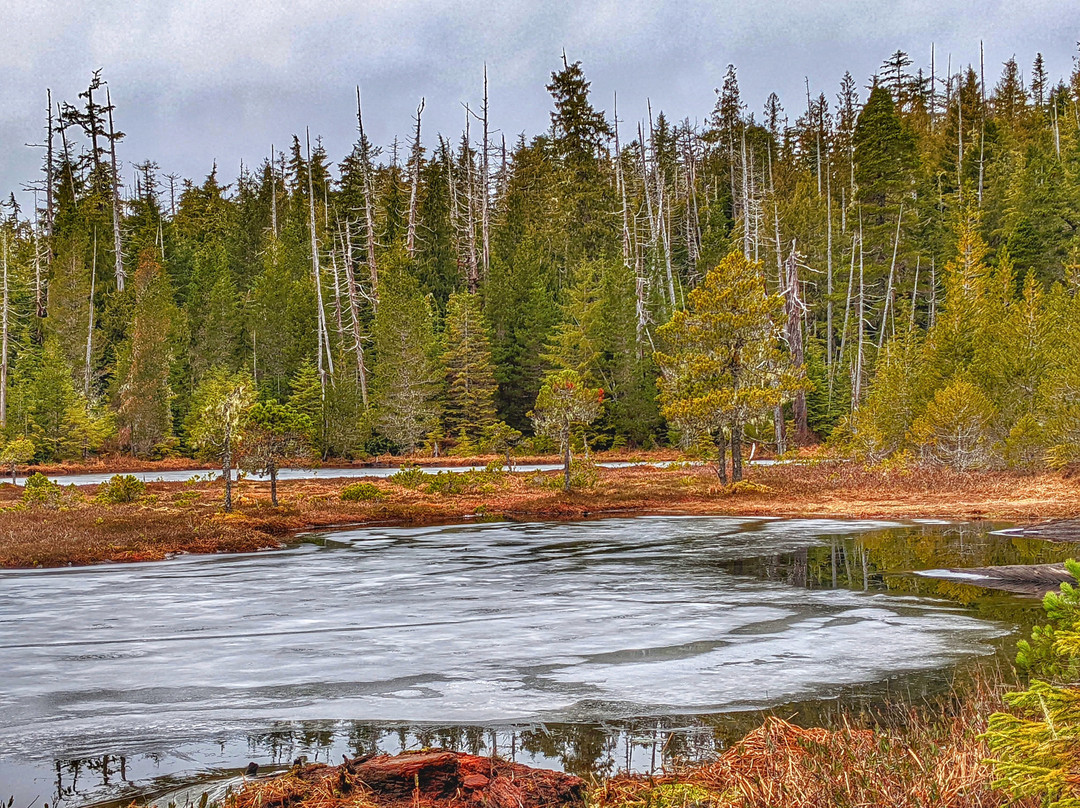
589,646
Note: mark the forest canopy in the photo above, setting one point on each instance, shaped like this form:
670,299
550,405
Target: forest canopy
915,238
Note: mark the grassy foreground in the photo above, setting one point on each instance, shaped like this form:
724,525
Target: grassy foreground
187,518
934,760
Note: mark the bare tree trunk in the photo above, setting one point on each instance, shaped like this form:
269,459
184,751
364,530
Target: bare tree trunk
828,273
88,370
273,193
982,119
566,459
415,158
933,86
736,451
959,146
933,292
485,251
471,263
721,456
794,306
653,237
857,392
369,210
889,285
847,304
627,242
914,293
273,484
354,314
4,321
337,294
39,297
324,337
661,212
745,202
117,246
226,465
50,210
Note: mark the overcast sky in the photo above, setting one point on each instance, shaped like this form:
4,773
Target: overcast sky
196,81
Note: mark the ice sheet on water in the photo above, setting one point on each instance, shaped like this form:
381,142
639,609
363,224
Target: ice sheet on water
476,623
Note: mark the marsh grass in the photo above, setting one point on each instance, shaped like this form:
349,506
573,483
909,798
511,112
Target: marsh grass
187,517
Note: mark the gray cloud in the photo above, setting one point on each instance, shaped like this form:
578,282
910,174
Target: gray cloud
202,80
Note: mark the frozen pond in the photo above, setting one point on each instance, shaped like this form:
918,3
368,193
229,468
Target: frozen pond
175,669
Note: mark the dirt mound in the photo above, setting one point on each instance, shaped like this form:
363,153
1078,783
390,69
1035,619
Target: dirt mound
433,778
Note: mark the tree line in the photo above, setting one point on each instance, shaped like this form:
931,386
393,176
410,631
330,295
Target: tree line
892,268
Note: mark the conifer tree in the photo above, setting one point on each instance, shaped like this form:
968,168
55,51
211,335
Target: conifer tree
144,393
218,408
720,360
273,434
565,401
406,373
470,374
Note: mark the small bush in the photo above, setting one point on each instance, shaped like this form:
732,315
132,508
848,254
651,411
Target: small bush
120,489
583,474
40,490
361,492
409,477
466,482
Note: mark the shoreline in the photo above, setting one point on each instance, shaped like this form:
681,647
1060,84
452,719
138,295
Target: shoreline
173,518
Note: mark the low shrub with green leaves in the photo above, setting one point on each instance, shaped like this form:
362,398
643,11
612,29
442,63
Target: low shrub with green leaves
120,489
409,477
362,492
40,491
473,481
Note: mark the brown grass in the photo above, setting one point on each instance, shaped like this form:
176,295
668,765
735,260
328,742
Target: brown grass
929,758
187,517
931,761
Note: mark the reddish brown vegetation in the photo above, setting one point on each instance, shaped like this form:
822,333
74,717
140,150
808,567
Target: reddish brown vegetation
779,764
432,778
186,517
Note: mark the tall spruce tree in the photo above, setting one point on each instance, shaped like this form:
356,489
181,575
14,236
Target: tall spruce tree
470,374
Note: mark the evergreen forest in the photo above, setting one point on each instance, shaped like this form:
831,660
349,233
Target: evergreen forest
893,265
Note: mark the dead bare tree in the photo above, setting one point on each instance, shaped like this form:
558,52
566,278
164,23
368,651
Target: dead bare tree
118,250
369,209
485,169
354,311
88,368
795,310
4,325
324,336
415,159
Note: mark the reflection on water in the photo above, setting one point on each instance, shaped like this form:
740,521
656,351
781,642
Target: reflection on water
592,647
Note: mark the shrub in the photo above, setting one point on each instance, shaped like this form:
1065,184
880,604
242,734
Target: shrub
464,482
119,489
409,477
361,492
1025,446
954,429
40,490
583,474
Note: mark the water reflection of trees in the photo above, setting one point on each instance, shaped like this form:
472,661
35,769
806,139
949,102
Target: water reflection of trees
884,560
